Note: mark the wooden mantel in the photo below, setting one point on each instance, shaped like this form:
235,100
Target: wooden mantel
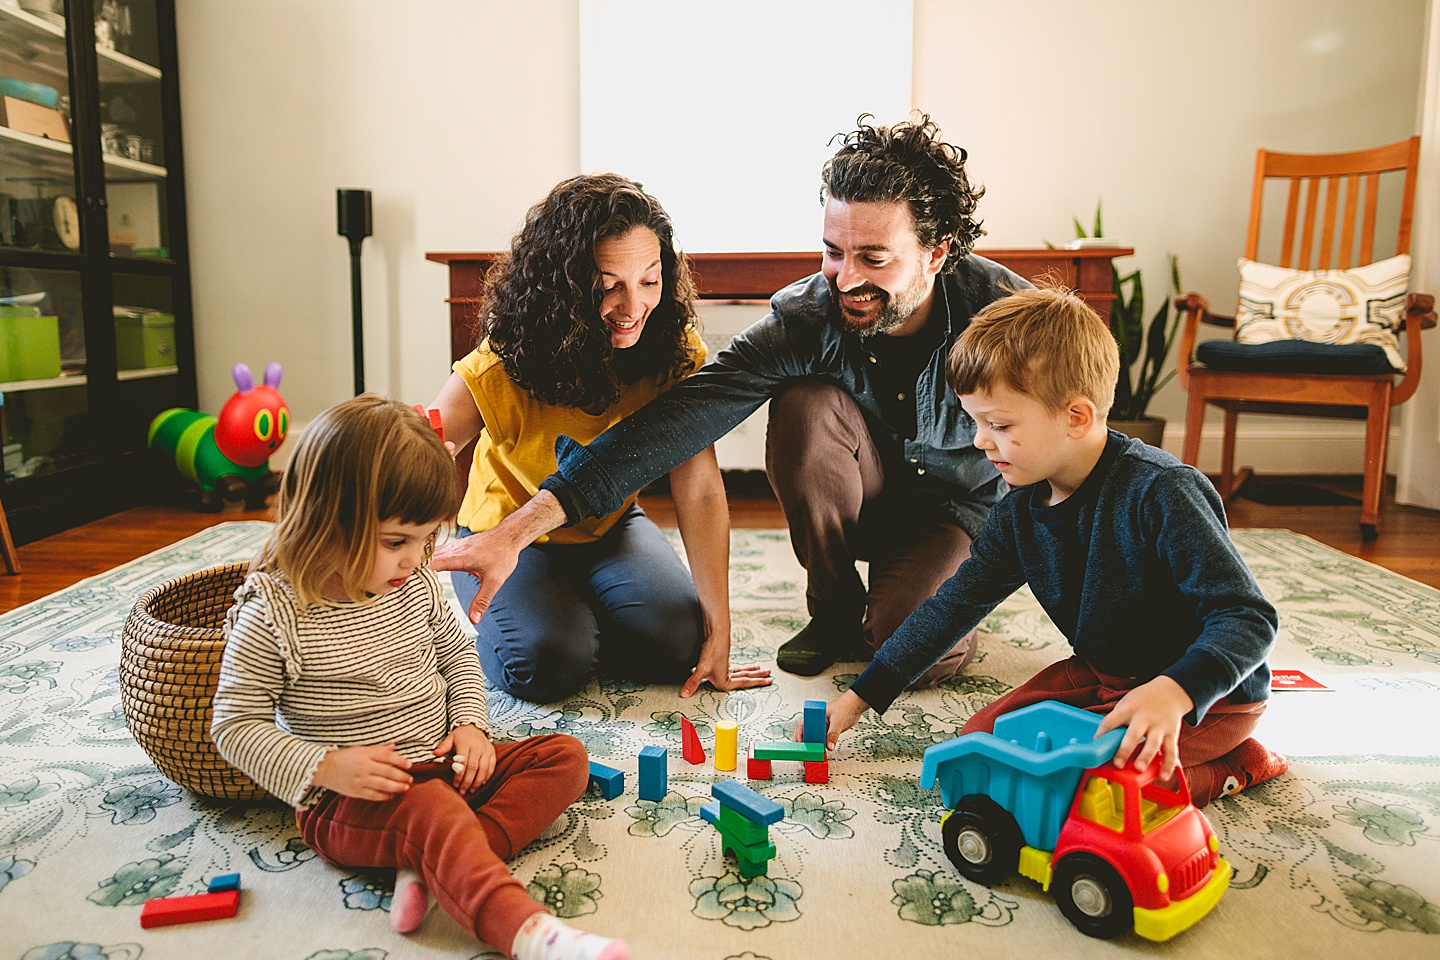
755,276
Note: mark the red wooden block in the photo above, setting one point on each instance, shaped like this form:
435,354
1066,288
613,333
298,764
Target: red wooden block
817,771
756,769
163,911
690,747
433,415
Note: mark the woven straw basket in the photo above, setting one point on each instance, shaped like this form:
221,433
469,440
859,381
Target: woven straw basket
173,642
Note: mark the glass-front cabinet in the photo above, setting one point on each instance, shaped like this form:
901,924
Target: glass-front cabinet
94,278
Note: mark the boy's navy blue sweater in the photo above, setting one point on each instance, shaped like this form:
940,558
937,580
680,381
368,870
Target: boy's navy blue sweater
1136,568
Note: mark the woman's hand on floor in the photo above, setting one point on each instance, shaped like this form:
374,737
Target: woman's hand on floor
714,666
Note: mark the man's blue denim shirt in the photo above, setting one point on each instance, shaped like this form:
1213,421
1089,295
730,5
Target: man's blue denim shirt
802,338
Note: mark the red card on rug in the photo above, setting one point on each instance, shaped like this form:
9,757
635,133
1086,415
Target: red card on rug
1294,680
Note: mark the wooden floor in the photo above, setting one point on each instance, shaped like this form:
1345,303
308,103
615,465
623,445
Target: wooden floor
1409,542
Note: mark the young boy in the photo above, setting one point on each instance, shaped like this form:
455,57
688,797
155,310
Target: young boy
1125,548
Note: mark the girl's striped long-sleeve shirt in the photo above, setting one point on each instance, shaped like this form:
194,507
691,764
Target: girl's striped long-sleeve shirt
298,681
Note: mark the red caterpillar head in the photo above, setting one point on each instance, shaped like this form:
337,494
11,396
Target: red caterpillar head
254,421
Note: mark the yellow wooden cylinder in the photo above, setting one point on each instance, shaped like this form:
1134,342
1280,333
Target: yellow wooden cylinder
726,737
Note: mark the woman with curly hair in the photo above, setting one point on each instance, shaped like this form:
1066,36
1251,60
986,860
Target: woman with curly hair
589,317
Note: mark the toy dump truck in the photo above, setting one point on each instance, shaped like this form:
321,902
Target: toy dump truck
1041,796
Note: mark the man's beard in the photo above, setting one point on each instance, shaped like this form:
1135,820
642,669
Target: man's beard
894,310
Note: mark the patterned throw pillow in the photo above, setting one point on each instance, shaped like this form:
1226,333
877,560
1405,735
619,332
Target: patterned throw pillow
1359,305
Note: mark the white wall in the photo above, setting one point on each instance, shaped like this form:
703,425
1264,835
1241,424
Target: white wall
457,114
461,113
1157,109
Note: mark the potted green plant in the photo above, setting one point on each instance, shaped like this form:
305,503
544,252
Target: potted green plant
1144,348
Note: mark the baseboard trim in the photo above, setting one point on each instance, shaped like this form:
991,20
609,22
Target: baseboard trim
1336,449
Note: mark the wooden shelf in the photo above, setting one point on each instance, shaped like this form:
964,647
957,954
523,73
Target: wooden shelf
53,383
145,373
125,170
52,157
116,67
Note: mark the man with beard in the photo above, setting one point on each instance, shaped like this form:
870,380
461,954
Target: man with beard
868,450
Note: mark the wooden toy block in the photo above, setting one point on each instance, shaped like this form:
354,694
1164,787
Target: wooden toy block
690,747
734,824
727,736
164,911
789,750
738,797
742,827
653,773
433,415
608,780
752,859
227,881
814,727
817,771
755,768
758,852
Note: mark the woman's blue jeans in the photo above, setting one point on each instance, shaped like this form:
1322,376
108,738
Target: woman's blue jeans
624,605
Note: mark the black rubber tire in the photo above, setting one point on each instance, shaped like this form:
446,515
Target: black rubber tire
982,839
1093,896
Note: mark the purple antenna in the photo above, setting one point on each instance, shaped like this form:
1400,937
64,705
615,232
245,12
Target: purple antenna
243,380
272,374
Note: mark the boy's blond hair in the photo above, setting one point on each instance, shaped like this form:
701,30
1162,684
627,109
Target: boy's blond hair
361,462
1046,344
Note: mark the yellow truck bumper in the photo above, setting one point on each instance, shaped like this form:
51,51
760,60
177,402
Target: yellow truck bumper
1164,923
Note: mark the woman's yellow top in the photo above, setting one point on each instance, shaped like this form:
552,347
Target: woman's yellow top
516,448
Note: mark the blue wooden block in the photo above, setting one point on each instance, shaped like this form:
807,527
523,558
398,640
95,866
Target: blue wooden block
814,721
741,798
653,773
228,881
610,781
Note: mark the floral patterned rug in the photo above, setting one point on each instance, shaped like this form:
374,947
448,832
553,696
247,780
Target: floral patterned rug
1336,859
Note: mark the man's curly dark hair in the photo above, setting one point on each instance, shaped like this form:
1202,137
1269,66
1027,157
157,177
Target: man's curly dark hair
541,306
908,162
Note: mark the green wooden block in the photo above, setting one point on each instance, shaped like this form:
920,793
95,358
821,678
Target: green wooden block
752,858
742,827
789,750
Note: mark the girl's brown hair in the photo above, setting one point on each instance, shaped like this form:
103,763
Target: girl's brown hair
362,462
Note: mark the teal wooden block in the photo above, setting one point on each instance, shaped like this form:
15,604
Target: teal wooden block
734,794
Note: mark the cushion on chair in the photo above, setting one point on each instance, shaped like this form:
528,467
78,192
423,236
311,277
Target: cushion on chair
1362,305
1294,356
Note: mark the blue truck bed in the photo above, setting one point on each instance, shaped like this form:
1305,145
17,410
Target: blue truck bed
1031,765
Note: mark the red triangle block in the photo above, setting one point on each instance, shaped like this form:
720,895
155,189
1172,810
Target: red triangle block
163,911
690,747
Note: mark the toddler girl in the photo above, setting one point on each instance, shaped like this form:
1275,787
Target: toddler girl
349,691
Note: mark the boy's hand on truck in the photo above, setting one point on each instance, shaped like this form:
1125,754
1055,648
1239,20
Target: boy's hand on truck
1153,712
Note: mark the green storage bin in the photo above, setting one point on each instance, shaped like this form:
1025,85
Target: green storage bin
143,341
29,346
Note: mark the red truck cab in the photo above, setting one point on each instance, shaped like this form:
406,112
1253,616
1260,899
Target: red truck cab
1131,842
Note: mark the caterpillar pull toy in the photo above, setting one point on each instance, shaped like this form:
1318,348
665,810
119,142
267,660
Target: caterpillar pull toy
227,456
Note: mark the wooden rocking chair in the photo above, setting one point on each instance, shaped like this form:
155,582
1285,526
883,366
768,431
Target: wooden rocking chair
1367,396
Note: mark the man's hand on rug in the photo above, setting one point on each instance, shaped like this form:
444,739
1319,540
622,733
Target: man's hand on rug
474,756
714,665
367,773
841,714
489,556
1152,712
